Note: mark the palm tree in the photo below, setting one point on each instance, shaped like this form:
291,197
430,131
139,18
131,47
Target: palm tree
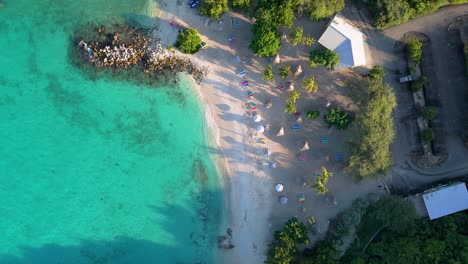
290,108
322,181
268,73
309,85
296,35
285,71
293,96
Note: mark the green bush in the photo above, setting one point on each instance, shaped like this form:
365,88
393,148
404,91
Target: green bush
429,112
321,9
376,72
240,4
414,49
373,131
338,118
290,108
313,114
427,135
348,220
418,84
268,73
329,59
188,41
213,8
266,40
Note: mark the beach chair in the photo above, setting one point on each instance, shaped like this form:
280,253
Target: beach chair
241,72
338,157
311,220
296,127
302,157
254,108
300,198
281,88
317,174
324,140
245,84
250,94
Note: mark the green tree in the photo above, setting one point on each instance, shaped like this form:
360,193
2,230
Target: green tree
290,108
394,213
308,41
309,85
322,253
188,41
427,136
276,13
284,71
430,112
418,84
296,35
373,131
313,114
240,4
321,9
414,49
297,231
213,8
268,73
266,40
293,96
329,59
322,181
376,72
337,118
388,13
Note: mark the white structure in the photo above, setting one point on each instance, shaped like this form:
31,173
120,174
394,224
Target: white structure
446,200
345,40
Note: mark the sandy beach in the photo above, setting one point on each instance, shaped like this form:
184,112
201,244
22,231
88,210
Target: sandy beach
252,208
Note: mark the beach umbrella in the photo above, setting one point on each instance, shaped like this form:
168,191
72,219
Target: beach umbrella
261,129
298,70
272,164
279,187
277,59
257,118
268,104
283,200
303,146
280,132
290,86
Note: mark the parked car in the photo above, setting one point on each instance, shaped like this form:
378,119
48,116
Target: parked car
406,79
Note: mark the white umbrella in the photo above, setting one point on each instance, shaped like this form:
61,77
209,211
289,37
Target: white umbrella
261,129
279,187
257,118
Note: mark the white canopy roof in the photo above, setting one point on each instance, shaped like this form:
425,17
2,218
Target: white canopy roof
345,40
446,200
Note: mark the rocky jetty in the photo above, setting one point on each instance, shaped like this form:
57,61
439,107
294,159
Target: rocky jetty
122,47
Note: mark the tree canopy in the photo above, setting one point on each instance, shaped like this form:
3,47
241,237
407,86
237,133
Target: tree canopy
213,8
373,131
414,49
266,40
329,59
188,41
321,9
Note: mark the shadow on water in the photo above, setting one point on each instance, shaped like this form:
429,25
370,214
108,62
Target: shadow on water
177,243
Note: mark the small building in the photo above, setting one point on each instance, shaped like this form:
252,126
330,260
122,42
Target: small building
346,40
446,200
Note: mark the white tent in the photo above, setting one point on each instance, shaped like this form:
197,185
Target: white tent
279,187
257,118
345,40
261,129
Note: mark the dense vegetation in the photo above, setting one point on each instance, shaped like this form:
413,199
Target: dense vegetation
240,4
213,8
283,248
266,40
338,118
373,130
429,112
417,241
414,49
328,58
418,84
389,13
188,41
320,9
291,102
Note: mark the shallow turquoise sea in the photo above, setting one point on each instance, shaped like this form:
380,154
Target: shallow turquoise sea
96,170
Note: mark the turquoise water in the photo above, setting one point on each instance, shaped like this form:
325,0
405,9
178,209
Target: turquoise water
96,171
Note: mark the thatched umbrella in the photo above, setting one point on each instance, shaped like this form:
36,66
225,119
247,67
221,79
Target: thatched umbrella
277,59
298,118
298,70
268,104
289,86
303,146
280,132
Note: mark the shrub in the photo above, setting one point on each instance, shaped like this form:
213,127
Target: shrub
329,59
412,70
240,4
284,71
388,13
266,40
188,41
213,8
313,114
429,112
309,85
427,135
414,49
376,72
418,84
337,118
268,73
373,132
321,9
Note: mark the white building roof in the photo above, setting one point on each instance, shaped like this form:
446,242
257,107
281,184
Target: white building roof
345,40
446,200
